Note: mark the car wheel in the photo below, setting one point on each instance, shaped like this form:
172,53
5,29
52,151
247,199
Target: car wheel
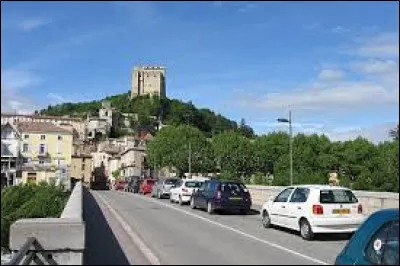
305,230
266,220
192,205
180,200
210,209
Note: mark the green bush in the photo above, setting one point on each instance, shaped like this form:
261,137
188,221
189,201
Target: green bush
29,201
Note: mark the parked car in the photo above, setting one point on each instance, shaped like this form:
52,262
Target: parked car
133,184
146,186
314,209
182,191
119,185
162,187
376,242
222,195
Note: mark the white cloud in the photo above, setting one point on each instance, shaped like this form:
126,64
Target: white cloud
217,3
15,79
13,84
328,97
382,45
247,7
57,98
312,26
331,75
375,133
340,29
142,13
377,67
33,23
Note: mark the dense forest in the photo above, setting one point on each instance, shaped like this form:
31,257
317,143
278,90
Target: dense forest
359,163
151,110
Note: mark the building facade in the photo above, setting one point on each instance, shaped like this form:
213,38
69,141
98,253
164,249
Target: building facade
133,162
82,167
10,155
148,80
75,125
46,150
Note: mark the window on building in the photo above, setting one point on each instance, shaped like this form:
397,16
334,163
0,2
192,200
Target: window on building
42,148
25,147
25,160
59,137
41,161
31,177
42,137
83,167
26,136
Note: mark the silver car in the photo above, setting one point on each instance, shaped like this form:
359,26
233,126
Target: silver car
162,187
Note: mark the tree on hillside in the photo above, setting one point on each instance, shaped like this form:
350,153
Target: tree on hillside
394,133
172,145
245,130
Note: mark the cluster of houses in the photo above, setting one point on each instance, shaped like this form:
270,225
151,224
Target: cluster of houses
37,148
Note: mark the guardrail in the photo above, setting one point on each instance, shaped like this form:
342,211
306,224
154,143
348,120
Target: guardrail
25,256
371,200
51,240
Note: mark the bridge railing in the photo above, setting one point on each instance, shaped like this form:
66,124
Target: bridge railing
51,240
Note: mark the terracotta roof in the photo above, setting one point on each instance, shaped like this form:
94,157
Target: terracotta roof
43,116
40,127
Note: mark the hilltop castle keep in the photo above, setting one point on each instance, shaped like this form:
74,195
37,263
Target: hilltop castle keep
148,80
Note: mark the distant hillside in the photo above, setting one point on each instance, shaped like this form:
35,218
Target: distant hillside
169,111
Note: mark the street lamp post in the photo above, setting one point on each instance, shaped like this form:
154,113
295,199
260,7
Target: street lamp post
289,121
190,149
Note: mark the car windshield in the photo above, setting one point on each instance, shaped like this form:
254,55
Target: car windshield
171,181
192,184
337,196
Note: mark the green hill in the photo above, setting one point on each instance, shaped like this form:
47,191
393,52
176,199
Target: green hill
149,110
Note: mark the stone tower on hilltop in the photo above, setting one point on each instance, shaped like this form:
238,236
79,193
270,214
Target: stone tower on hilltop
148,80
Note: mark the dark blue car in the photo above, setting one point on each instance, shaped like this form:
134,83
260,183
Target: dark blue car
222,195
376,242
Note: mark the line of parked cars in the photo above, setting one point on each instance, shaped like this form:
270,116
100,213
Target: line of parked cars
308,209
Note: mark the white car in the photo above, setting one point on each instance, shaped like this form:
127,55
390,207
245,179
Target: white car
182,191
314,209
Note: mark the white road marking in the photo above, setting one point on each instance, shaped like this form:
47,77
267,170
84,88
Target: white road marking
133,236
232,229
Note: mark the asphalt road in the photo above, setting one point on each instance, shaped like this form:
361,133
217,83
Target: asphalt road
179,235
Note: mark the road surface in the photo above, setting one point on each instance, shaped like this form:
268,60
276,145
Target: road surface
179,235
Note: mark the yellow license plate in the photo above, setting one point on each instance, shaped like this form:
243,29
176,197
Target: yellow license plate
235,198
341,211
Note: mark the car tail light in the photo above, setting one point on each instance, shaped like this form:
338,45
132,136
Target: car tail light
184,190
360,208
317,209
218,194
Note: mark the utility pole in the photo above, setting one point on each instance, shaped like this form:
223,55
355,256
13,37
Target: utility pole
289,121
291,147
190,160
190,150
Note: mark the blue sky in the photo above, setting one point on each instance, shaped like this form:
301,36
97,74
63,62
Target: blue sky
334,64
